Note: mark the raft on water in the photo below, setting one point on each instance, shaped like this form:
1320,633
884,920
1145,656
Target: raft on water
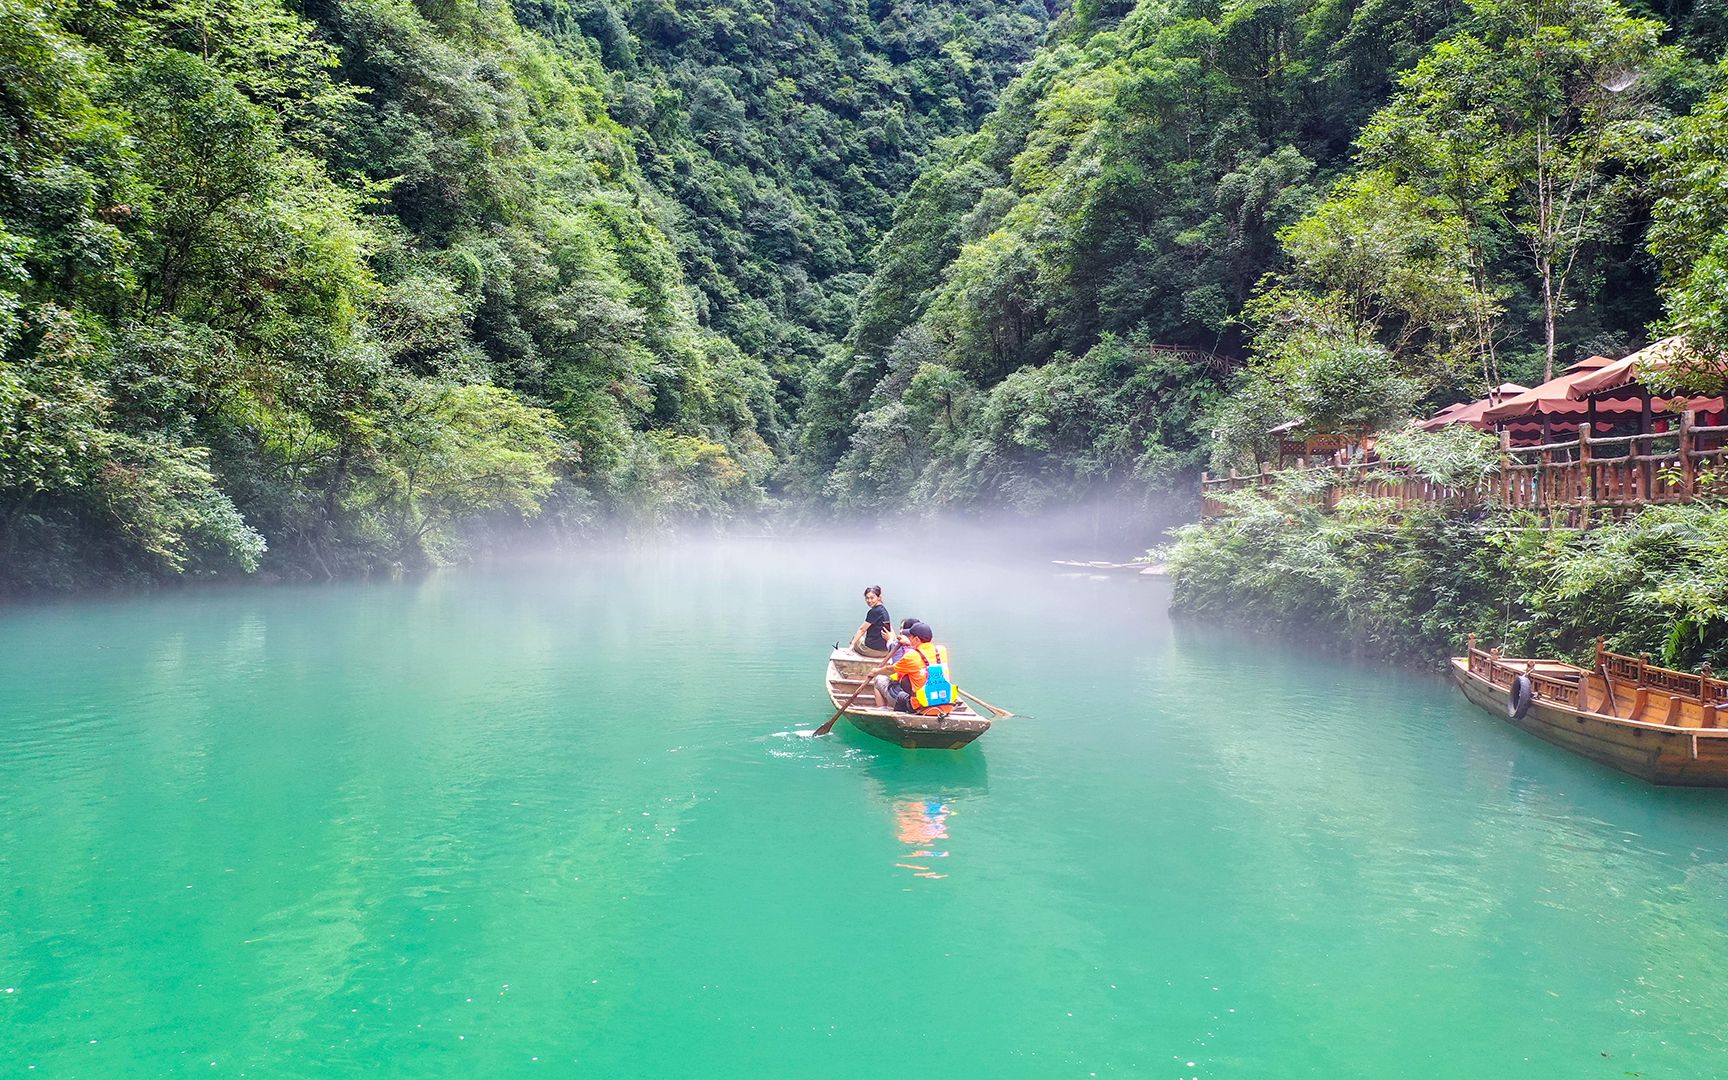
1663,726
847,670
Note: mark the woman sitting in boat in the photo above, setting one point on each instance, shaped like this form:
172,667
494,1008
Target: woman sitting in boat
872,637
920,682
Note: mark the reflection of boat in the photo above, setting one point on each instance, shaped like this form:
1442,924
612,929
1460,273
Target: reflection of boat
922,825
1659,725
847,669
922,796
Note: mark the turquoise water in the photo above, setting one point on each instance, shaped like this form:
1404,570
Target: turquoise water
557,820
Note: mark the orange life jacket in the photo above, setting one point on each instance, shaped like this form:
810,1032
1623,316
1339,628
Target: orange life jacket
932,687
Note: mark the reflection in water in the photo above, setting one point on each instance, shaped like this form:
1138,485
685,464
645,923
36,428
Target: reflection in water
922,790
919,823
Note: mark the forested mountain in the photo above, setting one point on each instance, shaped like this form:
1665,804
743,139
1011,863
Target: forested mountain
784,134
1343,194
332,286
1129,191
336,286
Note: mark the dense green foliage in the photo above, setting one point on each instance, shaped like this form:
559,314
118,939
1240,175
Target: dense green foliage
783,134
342,285
1130,188
1689,235
1491,226
1382,208
1412,585
348,285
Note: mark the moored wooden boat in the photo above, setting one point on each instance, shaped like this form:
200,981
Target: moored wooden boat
1663,726
847,669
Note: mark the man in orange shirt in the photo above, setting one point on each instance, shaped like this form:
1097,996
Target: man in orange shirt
920,682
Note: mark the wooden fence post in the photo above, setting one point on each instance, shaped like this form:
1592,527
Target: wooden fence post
1688,469
1587,475
1505,482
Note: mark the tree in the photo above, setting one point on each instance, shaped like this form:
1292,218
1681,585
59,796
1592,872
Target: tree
450,452
205,150
1517,119
1689,235
1379,261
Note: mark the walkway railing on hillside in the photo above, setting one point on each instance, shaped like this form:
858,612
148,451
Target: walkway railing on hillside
1329,483
1217,362
1564,480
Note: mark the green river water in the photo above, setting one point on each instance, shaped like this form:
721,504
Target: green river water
557,819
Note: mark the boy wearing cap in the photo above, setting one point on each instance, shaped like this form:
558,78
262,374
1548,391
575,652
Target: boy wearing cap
911,671
893,693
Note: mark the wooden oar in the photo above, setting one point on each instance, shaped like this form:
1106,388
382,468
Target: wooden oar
825,728
976,700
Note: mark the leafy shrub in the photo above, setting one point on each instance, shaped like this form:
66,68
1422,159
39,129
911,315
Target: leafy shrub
1411,585
1456,456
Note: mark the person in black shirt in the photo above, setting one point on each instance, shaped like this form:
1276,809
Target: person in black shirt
872,637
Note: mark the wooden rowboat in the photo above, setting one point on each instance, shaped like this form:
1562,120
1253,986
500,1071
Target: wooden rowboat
847,669
1663,726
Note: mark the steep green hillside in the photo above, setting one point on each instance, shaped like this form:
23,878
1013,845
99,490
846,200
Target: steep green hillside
356,284
784,134
1221,178
351,285
1129,189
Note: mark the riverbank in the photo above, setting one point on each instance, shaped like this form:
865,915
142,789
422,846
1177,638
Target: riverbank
1410,585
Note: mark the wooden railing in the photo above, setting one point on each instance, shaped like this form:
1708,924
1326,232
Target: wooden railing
1333,482
1703,687
1217,362
1564,689
1627,672
1564,480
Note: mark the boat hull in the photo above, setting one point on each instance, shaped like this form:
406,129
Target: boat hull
1659,754
914,732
